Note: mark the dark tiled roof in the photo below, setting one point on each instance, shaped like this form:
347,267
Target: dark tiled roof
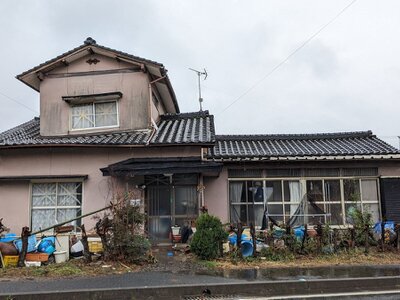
299,145
185,128
174,129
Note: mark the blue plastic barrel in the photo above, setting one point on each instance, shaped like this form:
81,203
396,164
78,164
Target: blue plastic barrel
247,248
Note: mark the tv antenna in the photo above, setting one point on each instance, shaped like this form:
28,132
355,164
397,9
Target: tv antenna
199,74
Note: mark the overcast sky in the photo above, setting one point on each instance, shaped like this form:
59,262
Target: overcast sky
347,78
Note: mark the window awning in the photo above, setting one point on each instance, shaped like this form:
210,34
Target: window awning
81,99
157,166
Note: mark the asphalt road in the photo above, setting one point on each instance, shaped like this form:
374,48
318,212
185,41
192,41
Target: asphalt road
128,280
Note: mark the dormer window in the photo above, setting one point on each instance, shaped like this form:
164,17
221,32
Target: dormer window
94,111
94,115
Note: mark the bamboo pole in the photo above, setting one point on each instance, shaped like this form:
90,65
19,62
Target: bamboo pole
76,218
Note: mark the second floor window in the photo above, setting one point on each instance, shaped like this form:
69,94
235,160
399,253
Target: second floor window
93,115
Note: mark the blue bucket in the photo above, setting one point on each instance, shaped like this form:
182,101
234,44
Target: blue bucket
247,248
47,245
299,232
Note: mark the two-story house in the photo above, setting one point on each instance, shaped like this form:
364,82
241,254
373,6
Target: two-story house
110,122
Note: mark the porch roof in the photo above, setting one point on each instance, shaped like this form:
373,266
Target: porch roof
163,165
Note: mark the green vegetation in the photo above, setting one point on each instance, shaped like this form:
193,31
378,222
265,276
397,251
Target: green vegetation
208,238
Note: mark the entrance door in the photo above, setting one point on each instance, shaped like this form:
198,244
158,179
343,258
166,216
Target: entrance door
160,212
170,201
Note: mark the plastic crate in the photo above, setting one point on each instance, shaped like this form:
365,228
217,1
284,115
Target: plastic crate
10,260
37,257
95,246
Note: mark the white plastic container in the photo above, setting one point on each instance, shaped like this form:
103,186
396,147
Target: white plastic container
33,263
60,256
62,242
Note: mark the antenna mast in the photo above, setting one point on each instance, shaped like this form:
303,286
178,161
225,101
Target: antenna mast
199,74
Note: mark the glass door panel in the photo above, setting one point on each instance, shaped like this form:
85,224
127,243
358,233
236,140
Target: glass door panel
159,211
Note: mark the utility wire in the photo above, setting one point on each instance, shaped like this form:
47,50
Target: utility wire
288,57
20,103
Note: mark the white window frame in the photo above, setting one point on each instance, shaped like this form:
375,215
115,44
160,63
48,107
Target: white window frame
56,207
303,190
93,105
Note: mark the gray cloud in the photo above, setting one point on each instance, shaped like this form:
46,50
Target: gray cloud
345,79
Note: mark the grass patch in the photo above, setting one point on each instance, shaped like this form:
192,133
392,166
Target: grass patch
72,268
209,264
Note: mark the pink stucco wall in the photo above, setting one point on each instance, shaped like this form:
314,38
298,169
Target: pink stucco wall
15,196
216,195
14,204
69,81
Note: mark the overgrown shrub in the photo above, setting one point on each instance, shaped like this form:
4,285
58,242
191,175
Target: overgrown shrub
363,225
122,232
208,238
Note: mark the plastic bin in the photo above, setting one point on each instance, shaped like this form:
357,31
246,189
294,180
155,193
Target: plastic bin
33,263
95,245
37,257
10,260
60,256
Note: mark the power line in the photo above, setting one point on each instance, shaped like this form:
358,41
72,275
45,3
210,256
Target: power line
20,103
288,57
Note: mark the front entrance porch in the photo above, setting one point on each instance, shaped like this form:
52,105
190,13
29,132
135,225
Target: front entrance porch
173,189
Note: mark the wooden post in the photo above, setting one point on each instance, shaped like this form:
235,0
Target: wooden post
253,237
304,238
383,236
366,238
335,239
271,235
239,238
2,261
86,253
319,231
352,238
397,237
24,237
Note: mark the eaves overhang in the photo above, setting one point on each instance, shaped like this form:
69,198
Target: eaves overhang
309,158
